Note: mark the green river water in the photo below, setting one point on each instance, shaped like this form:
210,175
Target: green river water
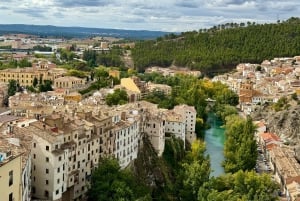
214,140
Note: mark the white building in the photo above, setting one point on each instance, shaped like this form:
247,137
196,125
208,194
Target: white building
126,134
175,124
189,115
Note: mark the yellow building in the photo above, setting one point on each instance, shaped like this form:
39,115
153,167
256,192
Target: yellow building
114,73
133,91
25,76
10,176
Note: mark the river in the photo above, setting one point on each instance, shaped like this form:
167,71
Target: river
214,140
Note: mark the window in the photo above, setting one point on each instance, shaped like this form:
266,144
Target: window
57,192
46,193
47,171
47,148
59,158
58,181
34,156
47,182
47,159
10,197
11,177
58,170
34,145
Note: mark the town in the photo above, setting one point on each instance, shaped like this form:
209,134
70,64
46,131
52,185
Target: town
52,141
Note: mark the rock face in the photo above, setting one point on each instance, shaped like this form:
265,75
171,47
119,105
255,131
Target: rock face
285,123
148,167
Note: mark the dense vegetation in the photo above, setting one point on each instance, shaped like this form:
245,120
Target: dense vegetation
220,47
241,186
14,64
110,58
110,183
240,149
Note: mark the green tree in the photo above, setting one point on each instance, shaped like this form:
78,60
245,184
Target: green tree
119,97
109,182
240,149
12,87
35,82
242,186
46,86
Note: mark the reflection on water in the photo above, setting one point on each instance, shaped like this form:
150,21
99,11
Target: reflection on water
214,139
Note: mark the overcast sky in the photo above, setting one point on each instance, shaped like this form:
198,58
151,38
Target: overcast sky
162,15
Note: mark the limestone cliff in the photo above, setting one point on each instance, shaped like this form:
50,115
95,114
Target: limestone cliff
285,123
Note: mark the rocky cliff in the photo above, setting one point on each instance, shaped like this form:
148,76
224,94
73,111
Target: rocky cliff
285,123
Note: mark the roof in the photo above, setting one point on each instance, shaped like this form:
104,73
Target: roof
129,84
18,141
67,78
8,118
270,137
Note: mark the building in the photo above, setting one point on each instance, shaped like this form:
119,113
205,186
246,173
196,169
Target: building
175,124
189,114
286,167
154,127
166,89
69,150
69,82
126,132
10,173
114,73
132,89
26,76
15,162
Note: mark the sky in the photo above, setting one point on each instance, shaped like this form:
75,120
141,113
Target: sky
160,15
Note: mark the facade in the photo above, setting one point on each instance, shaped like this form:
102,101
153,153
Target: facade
70,151
126,134
26,76
15,163
188,113
175,125
166,89
69,82
154,127
10,173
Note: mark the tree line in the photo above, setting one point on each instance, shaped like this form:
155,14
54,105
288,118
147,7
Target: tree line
219,49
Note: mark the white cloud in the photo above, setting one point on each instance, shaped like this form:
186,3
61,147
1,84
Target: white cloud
167,15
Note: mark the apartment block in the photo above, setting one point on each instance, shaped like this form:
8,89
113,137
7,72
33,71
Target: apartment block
65,151
126,132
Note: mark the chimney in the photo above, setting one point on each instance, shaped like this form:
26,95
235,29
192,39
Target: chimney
123,116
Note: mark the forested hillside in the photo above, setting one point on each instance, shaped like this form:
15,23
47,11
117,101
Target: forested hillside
221,47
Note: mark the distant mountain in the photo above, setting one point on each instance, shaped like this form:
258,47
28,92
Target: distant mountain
78,32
